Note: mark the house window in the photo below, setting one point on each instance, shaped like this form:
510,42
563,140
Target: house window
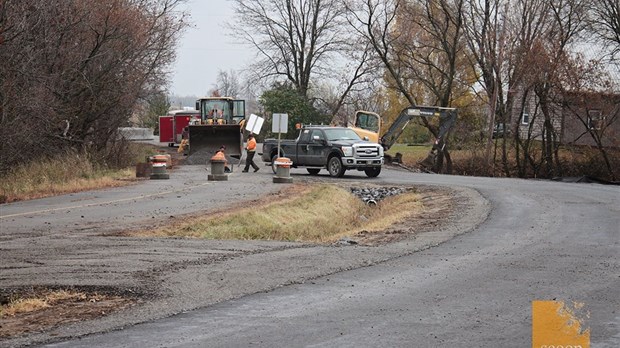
525,116
595,119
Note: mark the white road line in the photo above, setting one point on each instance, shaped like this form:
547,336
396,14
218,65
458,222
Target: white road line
101,203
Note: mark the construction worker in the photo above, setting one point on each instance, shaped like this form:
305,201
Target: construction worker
220,155
251,150
183,145
184,141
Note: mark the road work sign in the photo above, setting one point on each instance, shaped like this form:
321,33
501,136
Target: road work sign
254,124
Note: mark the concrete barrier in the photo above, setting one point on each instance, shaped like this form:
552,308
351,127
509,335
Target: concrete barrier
283,171
217,171
134,133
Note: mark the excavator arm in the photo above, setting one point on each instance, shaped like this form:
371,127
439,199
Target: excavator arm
447,118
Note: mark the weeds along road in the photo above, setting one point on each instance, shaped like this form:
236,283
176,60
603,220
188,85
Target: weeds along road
470,282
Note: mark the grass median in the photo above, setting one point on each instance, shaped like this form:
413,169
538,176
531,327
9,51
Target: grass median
315,213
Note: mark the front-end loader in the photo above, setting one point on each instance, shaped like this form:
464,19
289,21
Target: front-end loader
221,124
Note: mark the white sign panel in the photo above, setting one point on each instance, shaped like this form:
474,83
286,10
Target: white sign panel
254,124
280,123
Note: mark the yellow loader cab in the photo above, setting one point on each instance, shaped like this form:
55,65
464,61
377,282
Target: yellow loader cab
367,125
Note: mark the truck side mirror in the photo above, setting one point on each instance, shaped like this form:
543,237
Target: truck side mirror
317,139
197,105
366,138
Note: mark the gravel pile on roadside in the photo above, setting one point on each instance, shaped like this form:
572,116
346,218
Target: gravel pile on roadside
372,195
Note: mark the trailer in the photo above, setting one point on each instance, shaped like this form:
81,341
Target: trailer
166,129
182,119
171,126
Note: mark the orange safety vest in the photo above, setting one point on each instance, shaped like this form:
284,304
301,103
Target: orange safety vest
183,145
251,145
219,156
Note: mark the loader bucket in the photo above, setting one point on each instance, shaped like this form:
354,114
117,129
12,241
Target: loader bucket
205,140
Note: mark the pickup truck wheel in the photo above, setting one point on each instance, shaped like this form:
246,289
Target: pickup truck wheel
335,167
313,171
372,172
273,163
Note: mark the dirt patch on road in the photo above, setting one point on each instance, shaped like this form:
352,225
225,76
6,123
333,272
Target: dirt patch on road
35,310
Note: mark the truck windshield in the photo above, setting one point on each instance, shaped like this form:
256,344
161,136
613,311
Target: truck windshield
341,134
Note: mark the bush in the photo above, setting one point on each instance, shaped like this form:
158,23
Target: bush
574,162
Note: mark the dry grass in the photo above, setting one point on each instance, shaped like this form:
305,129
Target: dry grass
575,160
71,172
322,213
26,305
387,213
411,154
36,310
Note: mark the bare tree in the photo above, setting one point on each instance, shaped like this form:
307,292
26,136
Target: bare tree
527,23
72,71
294,39
304,42
589,97
418,44
600,130
521,49
605,21
432,48
501,35
485,32
565,20
227,84
357,75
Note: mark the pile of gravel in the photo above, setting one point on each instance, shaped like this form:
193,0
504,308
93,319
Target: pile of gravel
372,195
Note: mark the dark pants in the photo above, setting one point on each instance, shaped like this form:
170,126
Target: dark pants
249,161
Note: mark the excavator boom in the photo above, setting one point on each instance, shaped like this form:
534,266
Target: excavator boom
447,118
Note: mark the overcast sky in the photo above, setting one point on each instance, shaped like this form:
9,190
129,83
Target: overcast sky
206,48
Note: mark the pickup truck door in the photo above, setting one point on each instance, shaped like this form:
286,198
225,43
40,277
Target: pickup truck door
302,148
317,148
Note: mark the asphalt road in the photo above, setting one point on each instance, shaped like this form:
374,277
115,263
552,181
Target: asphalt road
470,283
